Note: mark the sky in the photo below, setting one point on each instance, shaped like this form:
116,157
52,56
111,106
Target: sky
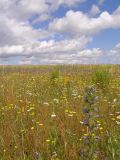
59,32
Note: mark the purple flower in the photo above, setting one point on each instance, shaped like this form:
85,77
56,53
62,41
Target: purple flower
85,110
86,121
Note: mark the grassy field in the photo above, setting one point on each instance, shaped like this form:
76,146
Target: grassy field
60,112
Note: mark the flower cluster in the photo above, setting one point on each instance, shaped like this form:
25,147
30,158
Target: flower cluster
90,111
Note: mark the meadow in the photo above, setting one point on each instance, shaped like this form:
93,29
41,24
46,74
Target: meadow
60,112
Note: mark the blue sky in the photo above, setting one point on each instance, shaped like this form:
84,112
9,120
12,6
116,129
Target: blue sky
59,32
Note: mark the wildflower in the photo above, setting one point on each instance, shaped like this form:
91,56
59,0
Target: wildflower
37,122
32,114
48,140
86,122
101,128
98,121
111,114
38,156
41,124
73,112
81,122
53,115
66,111
74,94
85,110
56,100
32,128
118,122
85,139
15,147
93,135
117,112
32,108
54,156
113,119
118,117
70,115
46,103
115,100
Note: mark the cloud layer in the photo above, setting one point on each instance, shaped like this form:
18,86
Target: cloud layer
62,40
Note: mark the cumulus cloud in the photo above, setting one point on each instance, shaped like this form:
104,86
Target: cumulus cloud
44,48
13,32
94,10
87,25
11,50
23,9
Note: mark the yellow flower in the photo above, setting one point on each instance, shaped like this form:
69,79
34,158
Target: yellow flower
98,121
32,128
48,140
101,128
74,112
37,122
66,111
32,114
41,124
70,115
113,119
93,135
118,117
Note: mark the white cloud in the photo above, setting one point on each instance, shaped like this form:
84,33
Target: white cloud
94,10
22,10
11,50
19,39
86,25
84,56
44,48
114,54
95,52
13,32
